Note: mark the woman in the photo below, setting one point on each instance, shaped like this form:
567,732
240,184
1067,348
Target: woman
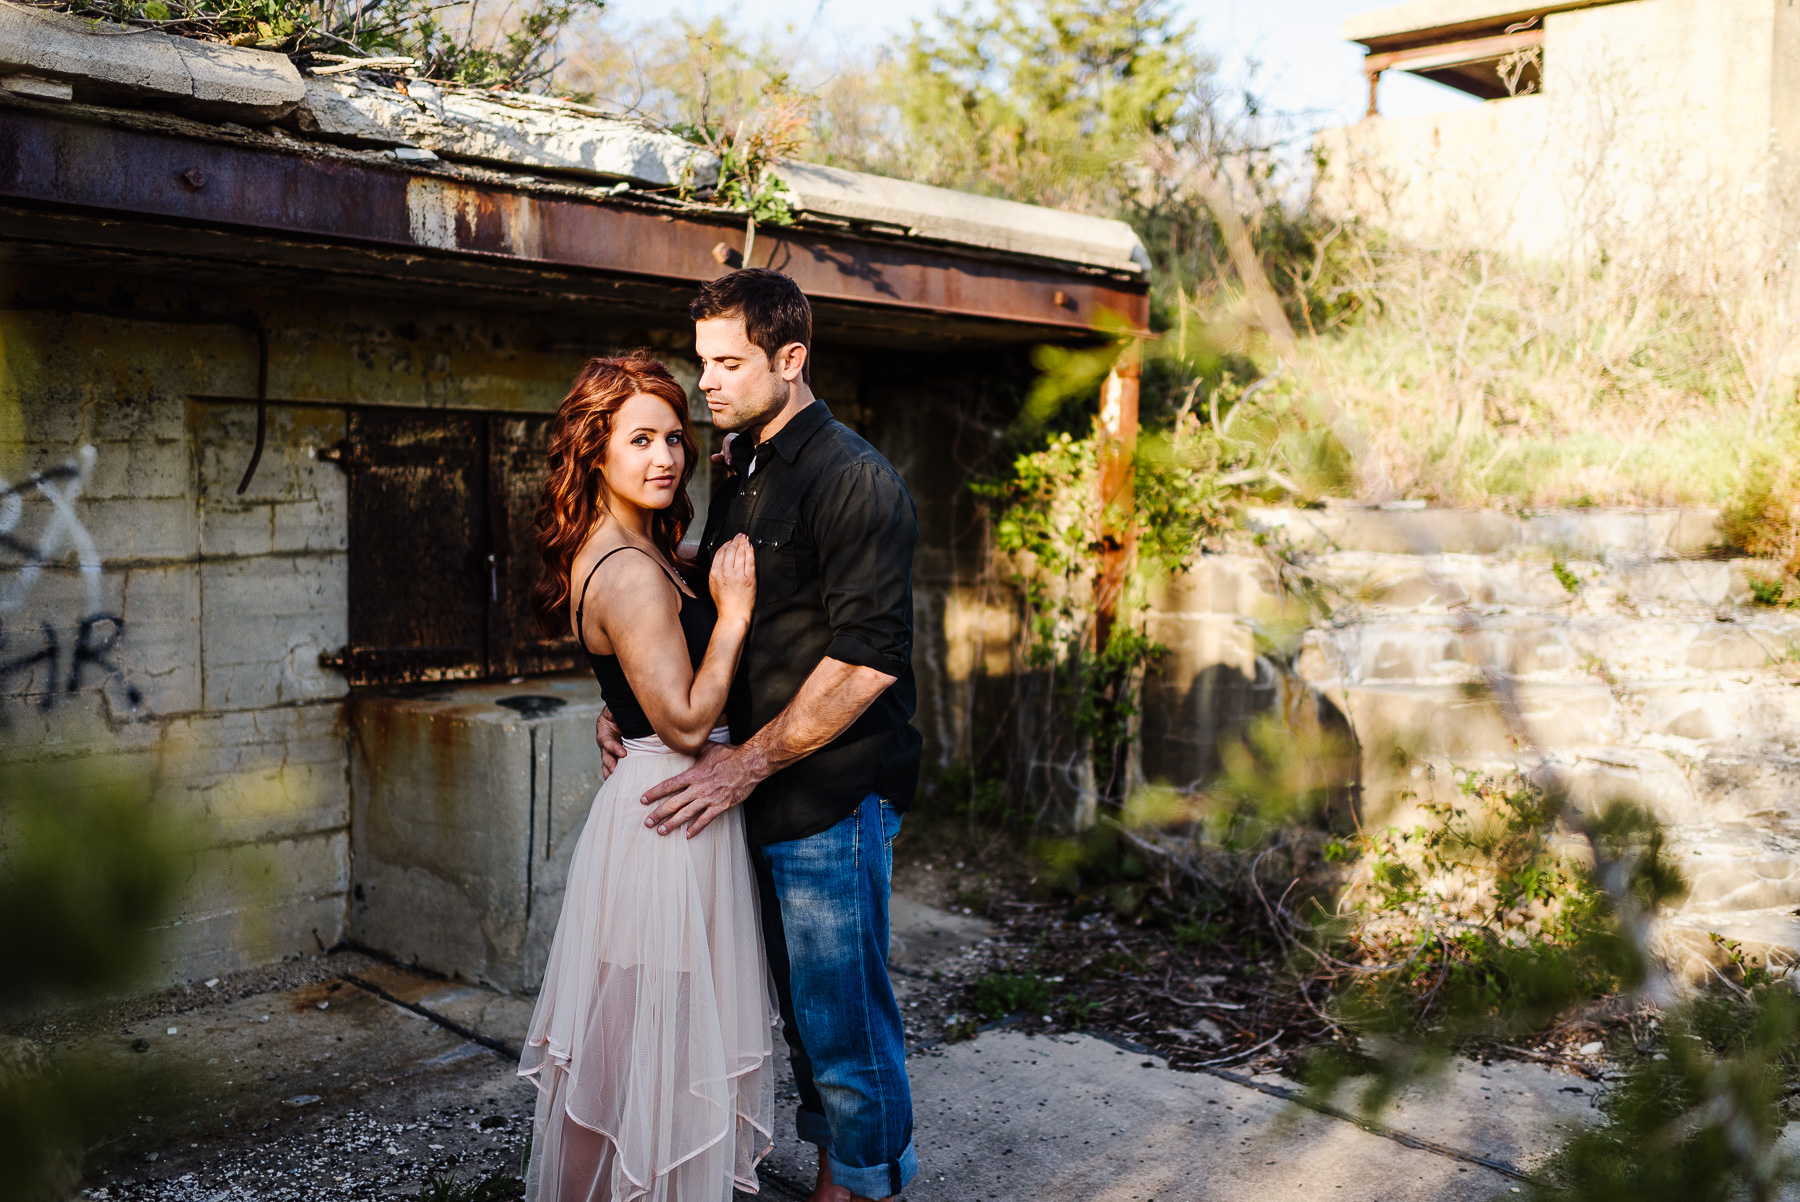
650,1042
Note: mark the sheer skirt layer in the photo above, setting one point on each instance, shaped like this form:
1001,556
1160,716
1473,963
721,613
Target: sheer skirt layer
651,1041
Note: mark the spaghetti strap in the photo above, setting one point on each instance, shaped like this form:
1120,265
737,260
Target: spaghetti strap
581,604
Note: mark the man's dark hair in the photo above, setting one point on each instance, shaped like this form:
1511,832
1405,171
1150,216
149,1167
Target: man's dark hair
774,310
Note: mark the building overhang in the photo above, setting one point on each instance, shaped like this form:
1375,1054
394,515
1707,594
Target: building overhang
1487,48
105,182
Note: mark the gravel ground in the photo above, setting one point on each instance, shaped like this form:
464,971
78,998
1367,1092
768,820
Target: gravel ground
471,1119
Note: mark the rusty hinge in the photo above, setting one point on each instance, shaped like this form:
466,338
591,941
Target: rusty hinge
335,661
338,453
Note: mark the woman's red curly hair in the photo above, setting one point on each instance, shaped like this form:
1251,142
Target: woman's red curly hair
575,492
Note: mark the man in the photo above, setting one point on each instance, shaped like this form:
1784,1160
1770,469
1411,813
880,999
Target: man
824,758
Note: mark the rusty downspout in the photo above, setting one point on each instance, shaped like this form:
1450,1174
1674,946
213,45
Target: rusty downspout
1117,430
262,398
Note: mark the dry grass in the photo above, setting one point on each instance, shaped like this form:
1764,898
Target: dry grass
1479,382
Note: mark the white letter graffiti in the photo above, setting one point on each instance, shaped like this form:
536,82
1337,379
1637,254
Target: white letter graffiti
96,633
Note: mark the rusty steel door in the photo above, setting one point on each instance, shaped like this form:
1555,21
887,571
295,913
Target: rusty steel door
443,549
517,466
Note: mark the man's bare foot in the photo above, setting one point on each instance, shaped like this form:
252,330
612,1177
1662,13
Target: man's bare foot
825,1191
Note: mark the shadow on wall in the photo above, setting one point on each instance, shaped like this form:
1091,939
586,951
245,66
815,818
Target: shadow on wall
1189,712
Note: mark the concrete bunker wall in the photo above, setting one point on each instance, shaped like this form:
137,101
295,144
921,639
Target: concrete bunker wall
175,627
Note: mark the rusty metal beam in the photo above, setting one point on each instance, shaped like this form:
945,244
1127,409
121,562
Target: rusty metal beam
61,161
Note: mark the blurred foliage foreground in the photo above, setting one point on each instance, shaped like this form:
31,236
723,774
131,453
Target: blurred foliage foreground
1483,913
89,865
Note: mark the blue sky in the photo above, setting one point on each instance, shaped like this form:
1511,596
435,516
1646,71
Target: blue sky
1305,65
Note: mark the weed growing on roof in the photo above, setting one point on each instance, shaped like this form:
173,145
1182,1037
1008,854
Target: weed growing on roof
513,51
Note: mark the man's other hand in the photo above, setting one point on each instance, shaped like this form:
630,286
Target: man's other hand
722,456
723,777
612,747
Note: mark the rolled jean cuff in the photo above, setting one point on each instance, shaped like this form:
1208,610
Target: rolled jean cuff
812,1127
882,1181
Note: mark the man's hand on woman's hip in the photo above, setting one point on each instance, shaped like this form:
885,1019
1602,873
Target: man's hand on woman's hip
722,777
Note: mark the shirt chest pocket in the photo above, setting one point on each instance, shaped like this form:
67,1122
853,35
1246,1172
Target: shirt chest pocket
777,559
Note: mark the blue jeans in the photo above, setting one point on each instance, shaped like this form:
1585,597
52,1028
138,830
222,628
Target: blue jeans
825,922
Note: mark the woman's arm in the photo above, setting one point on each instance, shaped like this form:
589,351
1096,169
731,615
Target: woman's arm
640,617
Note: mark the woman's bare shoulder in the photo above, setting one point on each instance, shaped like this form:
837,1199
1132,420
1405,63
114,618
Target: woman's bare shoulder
624,570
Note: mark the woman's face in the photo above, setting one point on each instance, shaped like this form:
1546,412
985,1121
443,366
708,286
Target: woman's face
644,458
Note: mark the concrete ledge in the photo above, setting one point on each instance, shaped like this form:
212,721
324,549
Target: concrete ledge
103,63
1600,534
467,802
986,221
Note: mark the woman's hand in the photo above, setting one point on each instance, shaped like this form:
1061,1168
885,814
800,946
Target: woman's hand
733,579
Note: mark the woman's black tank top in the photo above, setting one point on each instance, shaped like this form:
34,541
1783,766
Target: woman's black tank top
698,615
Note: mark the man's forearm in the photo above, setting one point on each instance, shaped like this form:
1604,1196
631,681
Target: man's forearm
830,699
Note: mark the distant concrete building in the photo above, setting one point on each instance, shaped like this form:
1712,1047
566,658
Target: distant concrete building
1663,130
277,356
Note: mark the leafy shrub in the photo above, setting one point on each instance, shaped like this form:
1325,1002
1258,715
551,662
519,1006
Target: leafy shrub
1765,591
1477,916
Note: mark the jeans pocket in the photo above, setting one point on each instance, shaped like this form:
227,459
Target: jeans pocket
890,830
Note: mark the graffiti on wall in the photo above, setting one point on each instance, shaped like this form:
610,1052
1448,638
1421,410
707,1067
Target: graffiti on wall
74,648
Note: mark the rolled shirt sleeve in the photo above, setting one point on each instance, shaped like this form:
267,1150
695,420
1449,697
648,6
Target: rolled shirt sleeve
863,523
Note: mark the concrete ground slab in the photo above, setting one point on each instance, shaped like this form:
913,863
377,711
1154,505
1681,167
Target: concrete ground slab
497,1019
370,1078
1510,1111
1010,1117
922,936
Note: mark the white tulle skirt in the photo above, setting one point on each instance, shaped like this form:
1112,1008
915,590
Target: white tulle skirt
650,1044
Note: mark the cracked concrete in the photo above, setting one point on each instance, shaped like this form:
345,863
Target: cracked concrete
365,1079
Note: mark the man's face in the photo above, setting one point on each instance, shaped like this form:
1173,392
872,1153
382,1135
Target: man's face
743,389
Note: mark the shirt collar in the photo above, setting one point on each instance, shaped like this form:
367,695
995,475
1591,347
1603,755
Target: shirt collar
788,440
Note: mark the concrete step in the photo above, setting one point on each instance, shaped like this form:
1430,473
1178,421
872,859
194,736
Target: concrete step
1444,721
1427,647
1750,714
1372,582
1601,534
1738,866
1770,936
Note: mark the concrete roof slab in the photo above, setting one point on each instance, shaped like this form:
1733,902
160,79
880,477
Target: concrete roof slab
61,57
553,135
230,83
108,63
1411,21
964,218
